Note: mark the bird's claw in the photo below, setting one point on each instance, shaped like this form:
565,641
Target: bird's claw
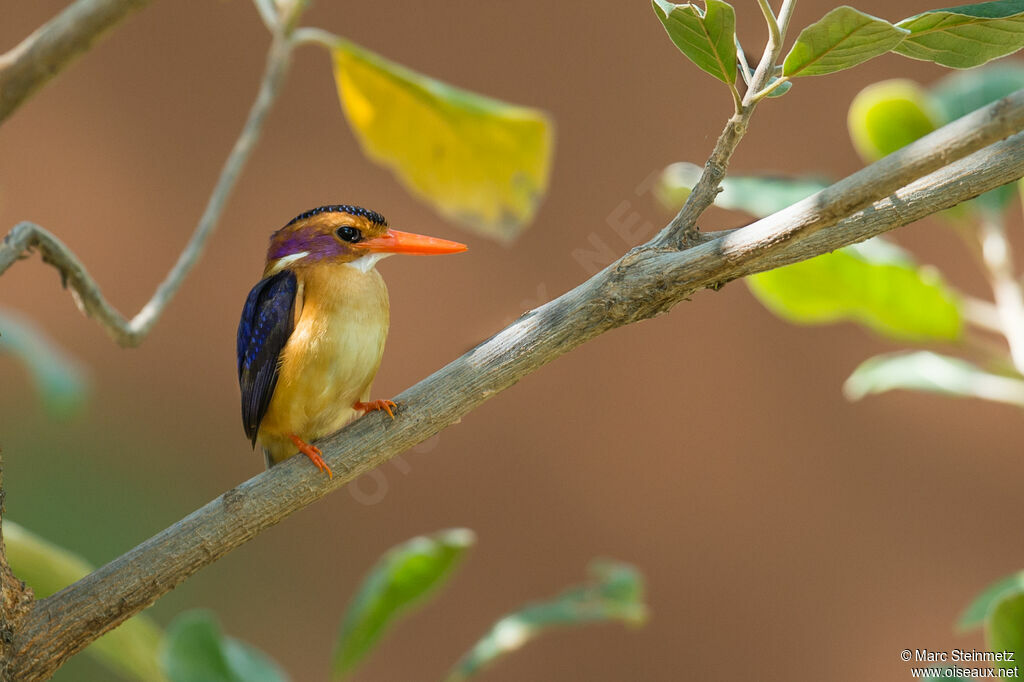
314,454
370,406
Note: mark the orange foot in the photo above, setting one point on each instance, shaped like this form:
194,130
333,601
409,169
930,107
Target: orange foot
314,454
386,405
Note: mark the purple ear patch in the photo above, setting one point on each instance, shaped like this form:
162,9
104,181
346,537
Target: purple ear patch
318,244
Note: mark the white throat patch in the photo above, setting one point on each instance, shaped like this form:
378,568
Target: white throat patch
287,260
366,263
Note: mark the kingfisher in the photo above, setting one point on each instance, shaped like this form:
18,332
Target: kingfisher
312,331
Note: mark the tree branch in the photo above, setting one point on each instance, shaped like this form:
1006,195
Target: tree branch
997,259
26,236
15,597
860,190
646,282
54,45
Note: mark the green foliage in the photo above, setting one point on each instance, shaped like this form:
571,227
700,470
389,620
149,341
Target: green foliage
195,650
479,161
974,615
843,38
757,195
1004,630
965,36
961,93
614,593
405,576
707,38
876,284
889,115
931,373
958,37
59,379
130,650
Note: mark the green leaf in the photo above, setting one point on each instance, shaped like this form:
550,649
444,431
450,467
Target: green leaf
757,195
843,38
130,650
614,593
974,615
889,115
932,373
707,38
875,284
195,650
966,36
1004,630
406,575
479,161
59,379
763,196
961,93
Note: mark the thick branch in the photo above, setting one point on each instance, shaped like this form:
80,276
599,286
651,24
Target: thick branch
15,598
53,46
754,248
646,282
90,300
855,192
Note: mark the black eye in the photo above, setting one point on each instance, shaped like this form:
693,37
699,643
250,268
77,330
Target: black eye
348,233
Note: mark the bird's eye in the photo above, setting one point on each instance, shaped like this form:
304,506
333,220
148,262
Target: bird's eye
350,234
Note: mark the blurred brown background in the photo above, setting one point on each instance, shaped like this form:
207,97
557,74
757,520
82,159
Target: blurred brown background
785,533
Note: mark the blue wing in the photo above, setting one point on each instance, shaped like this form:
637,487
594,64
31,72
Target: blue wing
267,321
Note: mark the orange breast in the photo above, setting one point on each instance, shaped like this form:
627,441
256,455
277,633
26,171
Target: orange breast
331,357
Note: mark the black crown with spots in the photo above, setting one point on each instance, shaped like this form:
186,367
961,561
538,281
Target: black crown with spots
372,216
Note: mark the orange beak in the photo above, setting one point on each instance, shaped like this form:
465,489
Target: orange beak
394,241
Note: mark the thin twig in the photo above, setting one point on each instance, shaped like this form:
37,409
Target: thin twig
773,50
774,36
981,314
756,95
785,14
268,13
682,231
315,36
997,256
741,56
53,46
647,281
26,236
770,88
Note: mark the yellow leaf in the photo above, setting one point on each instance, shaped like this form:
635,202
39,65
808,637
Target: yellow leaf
479,161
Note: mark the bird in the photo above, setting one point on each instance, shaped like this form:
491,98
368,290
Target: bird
312,331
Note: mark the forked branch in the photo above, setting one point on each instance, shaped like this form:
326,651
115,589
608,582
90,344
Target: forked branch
27,236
